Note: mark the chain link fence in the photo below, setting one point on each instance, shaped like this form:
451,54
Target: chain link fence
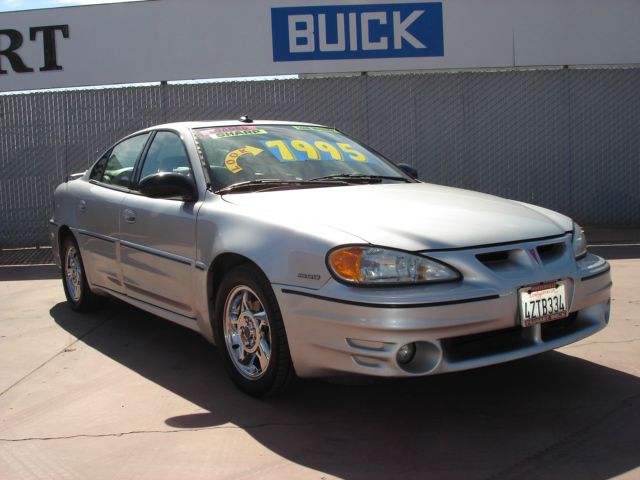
565,139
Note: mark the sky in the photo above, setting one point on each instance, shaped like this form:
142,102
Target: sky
12,5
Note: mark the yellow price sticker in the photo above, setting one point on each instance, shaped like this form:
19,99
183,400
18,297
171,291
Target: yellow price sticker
300,150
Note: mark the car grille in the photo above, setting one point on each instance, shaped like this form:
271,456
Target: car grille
506,259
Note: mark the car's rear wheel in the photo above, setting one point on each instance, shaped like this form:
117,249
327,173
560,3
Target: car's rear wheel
79,296
250,333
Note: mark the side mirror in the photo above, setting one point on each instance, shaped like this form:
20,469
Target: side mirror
169,185
409,170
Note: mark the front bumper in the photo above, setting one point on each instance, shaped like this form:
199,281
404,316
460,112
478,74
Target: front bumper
342,330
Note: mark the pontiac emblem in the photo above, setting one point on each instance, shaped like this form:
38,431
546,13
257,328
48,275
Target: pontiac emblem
534,254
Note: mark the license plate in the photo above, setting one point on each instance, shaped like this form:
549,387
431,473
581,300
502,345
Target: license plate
543,303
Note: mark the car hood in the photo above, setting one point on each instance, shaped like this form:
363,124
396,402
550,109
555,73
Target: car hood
416,216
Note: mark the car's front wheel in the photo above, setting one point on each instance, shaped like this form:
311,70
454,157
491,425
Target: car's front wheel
79,296
250,333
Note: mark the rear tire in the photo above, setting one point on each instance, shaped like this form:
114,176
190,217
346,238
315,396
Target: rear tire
74,279
250,333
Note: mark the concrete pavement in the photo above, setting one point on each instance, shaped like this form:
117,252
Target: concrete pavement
123,394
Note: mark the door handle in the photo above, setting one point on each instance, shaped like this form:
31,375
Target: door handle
82,206
129,215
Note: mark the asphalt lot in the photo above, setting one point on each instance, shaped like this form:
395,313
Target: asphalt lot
123,394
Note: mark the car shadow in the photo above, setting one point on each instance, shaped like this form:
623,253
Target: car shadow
549,416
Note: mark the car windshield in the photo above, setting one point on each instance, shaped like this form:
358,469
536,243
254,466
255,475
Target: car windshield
293,154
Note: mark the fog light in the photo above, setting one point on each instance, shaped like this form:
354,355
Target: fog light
405,353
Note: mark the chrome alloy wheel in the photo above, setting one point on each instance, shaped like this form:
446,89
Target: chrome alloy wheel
73,273
247,333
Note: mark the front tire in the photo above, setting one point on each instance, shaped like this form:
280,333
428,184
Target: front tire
250,333
74,279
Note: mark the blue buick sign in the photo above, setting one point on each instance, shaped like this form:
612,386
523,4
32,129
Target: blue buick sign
335,32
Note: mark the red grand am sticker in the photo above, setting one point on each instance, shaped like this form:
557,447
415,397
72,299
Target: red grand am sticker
233,131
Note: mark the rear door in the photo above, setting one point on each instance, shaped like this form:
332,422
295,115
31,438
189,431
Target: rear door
98,210
158,236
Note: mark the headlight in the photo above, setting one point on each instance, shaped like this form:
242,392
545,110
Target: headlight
579,241
370,266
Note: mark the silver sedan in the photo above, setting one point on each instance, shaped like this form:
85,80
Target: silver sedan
299,251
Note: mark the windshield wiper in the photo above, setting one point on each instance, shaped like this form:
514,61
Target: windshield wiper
359,178
250,185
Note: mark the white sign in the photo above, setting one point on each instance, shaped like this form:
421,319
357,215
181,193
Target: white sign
195,39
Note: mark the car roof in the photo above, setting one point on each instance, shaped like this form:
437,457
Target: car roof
225,123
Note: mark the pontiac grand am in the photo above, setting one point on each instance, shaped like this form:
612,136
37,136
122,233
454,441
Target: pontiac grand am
300,251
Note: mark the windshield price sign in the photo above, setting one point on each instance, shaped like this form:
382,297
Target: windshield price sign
357,31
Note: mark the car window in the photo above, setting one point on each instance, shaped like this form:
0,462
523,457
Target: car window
120,162
166,154
98,168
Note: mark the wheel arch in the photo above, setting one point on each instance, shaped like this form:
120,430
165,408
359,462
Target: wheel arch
222,264
63,232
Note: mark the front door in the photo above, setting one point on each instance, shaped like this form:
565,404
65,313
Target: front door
158,236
